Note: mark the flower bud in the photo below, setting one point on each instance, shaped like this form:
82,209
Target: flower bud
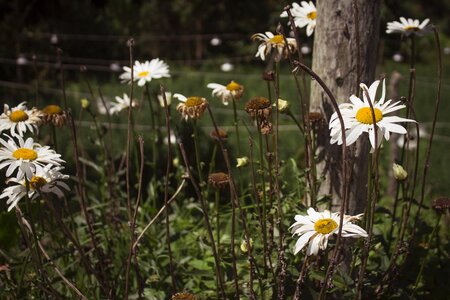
244,246
242,161
84,103
283,105
399,172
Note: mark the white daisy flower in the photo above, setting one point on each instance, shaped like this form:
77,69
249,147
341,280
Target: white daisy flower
408,26
358,117
121,104
46,180
276,42
168,99
304,15
27,157
229,92
18,120
145,72
316,228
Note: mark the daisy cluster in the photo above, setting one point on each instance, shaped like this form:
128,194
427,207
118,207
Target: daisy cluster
31,169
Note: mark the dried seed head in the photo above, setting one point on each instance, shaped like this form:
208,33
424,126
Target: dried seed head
183,296
315,119
218,180
55,115
220,133
440,205
193,107
268,76
258,106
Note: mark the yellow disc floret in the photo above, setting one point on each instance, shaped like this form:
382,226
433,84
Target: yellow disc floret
364,115
18,116
52,109
312,15
25,153
143,74
325,226
277,39
411,28
37,182
194,101
233,86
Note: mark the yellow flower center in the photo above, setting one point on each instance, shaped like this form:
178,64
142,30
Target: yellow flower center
37,182
25,153
194,101
52,110
364,115
143,74
411,28
325,226
18,116
233,86
277,39
312,15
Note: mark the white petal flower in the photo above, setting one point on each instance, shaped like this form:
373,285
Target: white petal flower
408,26
304,15
18,120
191,107
145,72
358,117
121,104
315,228
227,93
27,157
274,42
46,180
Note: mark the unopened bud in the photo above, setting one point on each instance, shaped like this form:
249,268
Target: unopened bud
283,105
242,161
399,172
84,103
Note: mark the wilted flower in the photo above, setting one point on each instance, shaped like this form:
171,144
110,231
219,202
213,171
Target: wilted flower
121,104
191,107
55,115
218,180
18,120
46,180
358,117
183,296
304,15
408,26
26,156
259,108
242,162
145,72
316,228
399,172
276,42
441,205
227,93
283,106
168,99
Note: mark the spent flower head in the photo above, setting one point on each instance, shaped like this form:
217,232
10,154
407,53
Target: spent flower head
191,107
54,114
304,15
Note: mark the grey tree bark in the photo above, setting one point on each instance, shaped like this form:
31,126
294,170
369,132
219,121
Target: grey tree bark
344,55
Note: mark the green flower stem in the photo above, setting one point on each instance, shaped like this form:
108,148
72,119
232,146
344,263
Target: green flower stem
153,125
291,115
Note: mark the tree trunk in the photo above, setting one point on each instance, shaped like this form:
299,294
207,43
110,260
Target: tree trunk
344,55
